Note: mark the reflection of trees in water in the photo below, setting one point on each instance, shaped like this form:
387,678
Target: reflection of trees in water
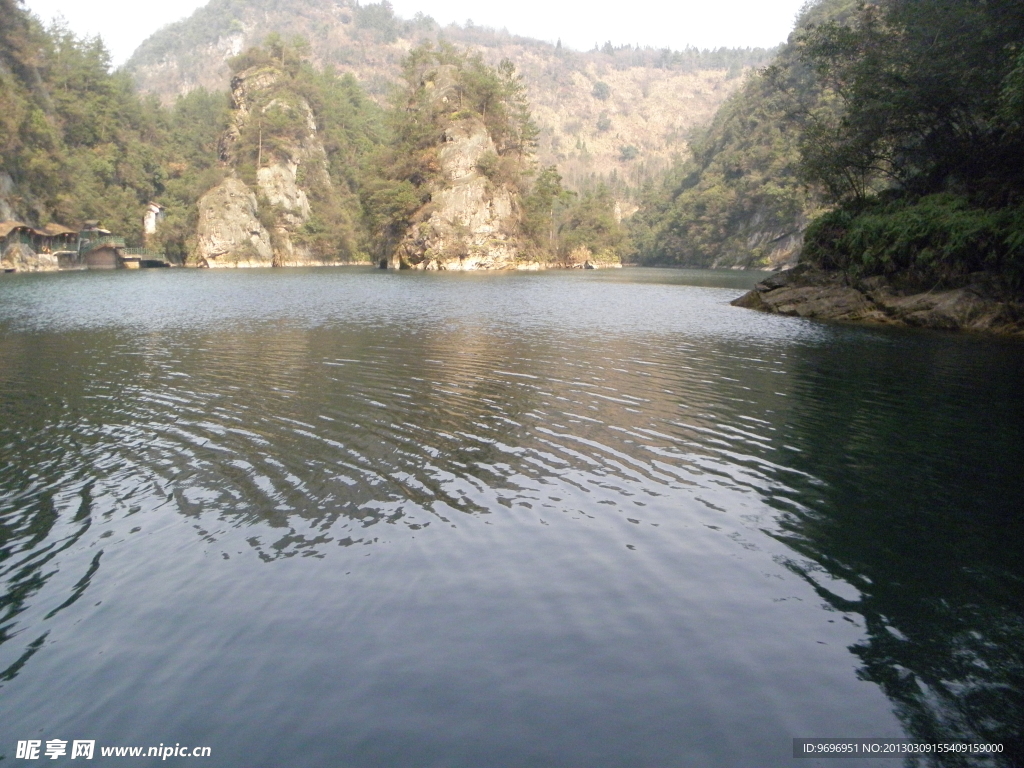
921,458
49,472
953,667
314,439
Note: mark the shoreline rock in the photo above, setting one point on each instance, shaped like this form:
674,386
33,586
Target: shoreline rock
980,305
21,258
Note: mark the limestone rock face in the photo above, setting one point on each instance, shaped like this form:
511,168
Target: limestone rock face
980,305
778,247
473,223
229,232
246,87
7,212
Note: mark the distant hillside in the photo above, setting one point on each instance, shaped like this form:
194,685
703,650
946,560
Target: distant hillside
616,114
740,200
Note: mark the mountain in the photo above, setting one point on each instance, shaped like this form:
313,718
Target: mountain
740,200
617,115
295,165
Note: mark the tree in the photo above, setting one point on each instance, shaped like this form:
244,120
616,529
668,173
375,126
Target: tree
916,93
920,145
591,224
379,19
544,208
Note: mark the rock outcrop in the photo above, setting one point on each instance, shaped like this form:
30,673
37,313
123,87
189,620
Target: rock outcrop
19,257
981,304
232,231
470,222
7,206
773,243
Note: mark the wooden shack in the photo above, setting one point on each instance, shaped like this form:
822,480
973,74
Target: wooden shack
12,232
49,239
56,237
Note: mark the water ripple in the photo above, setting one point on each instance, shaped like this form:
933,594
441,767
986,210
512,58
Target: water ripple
597,494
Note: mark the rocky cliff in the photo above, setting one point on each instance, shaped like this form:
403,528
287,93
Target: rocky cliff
470,222
21,258
762,240
263,223
230,233
8,205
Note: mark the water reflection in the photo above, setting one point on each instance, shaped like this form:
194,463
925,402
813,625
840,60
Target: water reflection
616,491
918,513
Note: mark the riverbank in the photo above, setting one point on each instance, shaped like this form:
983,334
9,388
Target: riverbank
48,263
980,305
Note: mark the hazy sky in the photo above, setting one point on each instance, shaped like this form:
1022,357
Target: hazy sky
124,24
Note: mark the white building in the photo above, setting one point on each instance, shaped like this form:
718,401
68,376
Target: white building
154,214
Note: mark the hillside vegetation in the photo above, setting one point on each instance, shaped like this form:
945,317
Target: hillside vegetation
335,175
891,132
742,199
78,143
922,150
614,115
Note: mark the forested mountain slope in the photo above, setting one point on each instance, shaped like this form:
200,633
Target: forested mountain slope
903,118
741,200
616,115
913,138
78,143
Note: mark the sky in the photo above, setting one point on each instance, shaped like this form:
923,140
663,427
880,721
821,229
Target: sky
124,24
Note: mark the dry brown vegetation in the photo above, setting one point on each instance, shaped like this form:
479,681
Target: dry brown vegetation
617,115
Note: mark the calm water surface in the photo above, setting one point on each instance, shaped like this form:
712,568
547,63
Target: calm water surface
357,518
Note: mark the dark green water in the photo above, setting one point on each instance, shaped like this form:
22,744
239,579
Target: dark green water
357,518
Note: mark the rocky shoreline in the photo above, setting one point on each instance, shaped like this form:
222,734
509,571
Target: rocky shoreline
980,304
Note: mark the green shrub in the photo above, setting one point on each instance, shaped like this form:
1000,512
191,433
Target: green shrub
487,164
941,237
627,153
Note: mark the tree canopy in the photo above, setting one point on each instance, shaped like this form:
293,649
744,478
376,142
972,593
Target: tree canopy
925,97
918,138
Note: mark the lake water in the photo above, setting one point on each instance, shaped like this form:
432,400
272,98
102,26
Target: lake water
360,518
